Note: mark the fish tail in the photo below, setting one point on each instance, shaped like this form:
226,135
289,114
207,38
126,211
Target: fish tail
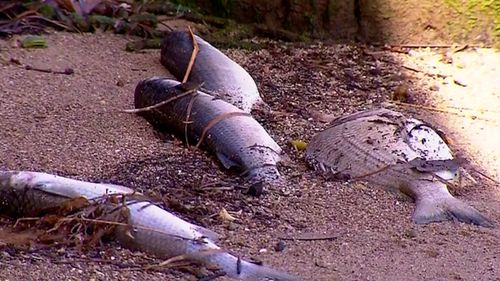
448,208
244,270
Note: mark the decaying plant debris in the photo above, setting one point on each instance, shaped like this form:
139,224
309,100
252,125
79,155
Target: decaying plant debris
147,19
85,212
129,17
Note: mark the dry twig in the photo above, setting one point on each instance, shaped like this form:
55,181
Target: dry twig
188,115
67,71
193,56
463,48
310,236
216,120
486,176
437,46
435,109
185,259
423,72
98,261
194,53
151,107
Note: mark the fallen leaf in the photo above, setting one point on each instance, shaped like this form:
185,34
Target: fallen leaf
320,116
298,144
225,216
34,42
73,204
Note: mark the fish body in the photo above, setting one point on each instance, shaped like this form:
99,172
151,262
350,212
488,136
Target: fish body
183,238
221,76
385,148
65,187
150,228
233,135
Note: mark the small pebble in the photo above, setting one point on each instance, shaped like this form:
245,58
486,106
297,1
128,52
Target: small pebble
280,246
232,226
6,254
412,233
256,189
434,87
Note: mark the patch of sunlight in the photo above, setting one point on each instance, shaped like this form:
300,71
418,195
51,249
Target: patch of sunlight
471,93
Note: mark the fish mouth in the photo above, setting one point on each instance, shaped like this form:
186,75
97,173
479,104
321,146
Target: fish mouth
5,179
262,173
261,178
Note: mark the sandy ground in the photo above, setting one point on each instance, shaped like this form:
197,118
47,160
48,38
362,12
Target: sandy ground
467,93
69,125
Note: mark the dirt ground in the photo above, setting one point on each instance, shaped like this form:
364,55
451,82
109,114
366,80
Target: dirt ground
70,125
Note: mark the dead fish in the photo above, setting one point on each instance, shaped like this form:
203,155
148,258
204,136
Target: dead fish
221,76
386,148
153,229
233,135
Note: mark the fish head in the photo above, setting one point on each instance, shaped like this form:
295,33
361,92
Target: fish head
5,177
262,178
431,153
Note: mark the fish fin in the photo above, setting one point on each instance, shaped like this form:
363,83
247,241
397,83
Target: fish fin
211,235
448,208
261,106
226,162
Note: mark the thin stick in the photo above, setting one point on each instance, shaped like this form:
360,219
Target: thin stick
433,75
115,223
151,107
216,120
311,237
443,46
168,26
486,176
188,115
187,257
435,109
97,260
193,56
461,84
63,26
67,71
478,110
464,47
426,73
25,219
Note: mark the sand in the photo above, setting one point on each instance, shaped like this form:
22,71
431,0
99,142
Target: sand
70,125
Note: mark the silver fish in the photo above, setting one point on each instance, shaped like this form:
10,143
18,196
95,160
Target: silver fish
385,148
221,76
234,136
154,230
